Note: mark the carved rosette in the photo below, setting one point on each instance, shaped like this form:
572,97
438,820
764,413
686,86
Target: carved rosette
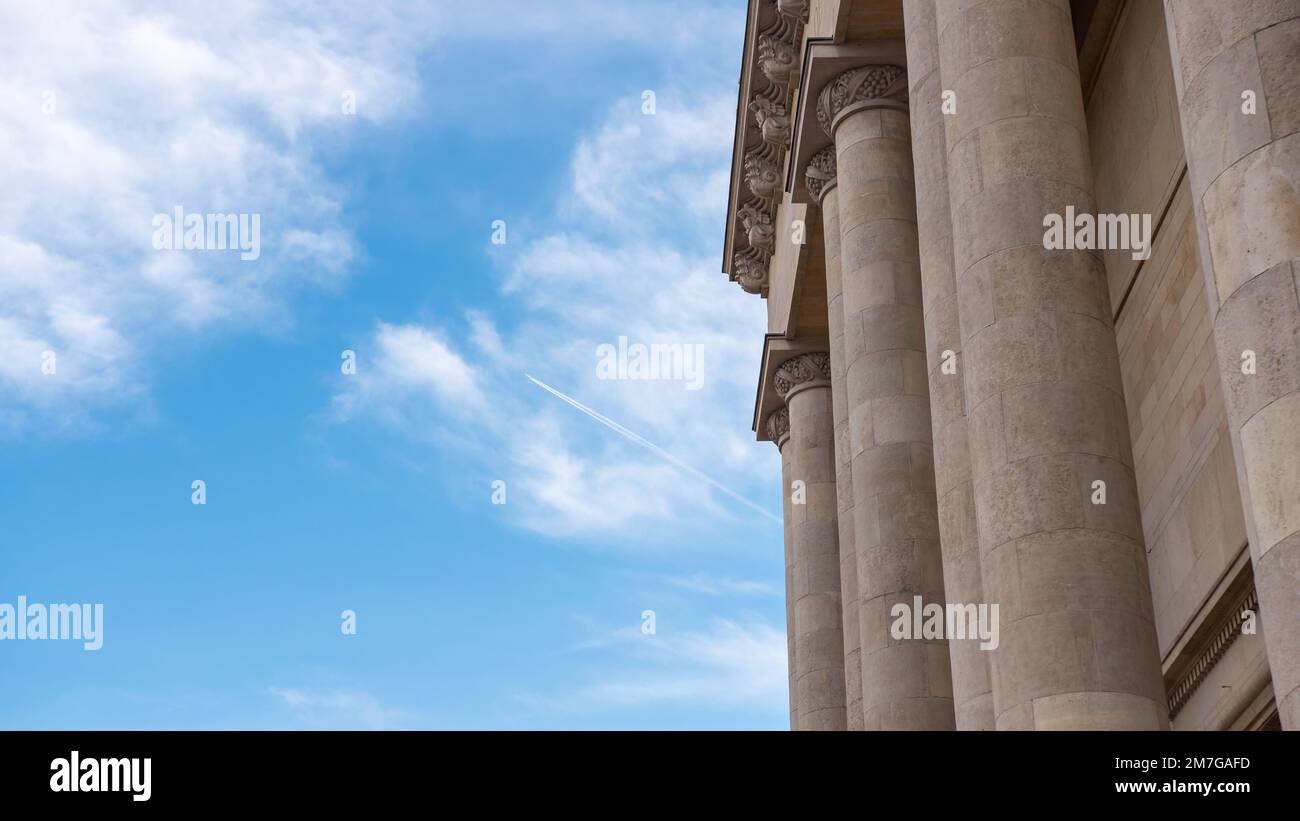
773,74
820,174
803,369
778,424
882,82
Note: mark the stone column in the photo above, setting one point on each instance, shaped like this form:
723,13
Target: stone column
1235,68
1045,404
906,682
805,384
821,183
778,430
958,538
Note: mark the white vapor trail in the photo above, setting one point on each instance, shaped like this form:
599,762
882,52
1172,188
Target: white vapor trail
652,447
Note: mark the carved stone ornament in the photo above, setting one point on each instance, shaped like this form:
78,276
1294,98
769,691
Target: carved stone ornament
778,424
770,77
762,175
808,367
776,59
793,8
758,227
772,121
750,270
864,83
820,173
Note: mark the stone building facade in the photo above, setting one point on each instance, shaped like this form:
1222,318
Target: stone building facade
1092,437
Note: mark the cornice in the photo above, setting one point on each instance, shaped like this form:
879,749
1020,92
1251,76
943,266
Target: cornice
1227,632
769,75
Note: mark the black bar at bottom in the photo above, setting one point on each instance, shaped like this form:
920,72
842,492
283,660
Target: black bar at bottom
619,771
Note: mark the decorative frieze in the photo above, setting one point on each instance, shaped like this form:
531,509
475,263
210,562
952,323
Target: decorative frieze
773,75
1213,650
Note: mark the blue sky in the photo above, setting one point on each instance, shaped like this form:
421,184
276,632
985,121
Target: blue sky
372,491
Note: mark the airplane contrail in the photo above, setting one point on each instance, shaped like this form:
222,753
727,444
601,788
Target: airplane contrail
651,446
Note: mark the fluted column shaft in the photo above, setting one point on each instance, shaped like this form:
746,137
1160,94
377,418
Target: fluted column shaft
972,690
778,430
1045,404
906,681
1244,164
804,384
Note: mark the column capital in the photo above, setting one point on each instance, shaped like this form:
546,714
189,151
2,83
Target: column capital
807,370
881,84
820,173
778,426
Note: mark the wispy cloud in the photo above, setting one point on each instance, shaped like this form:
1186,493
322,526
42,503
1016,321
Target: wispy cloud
633,253
113,113
338,709
410,368
714,586
653,448
729,665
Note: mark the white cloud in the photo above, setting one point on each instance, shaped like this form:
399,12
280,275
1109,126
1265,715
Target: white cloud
484,336
571,493
730,664
416,358
338,709
635,254
662,24
641,171
114,112
410,378
713,586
